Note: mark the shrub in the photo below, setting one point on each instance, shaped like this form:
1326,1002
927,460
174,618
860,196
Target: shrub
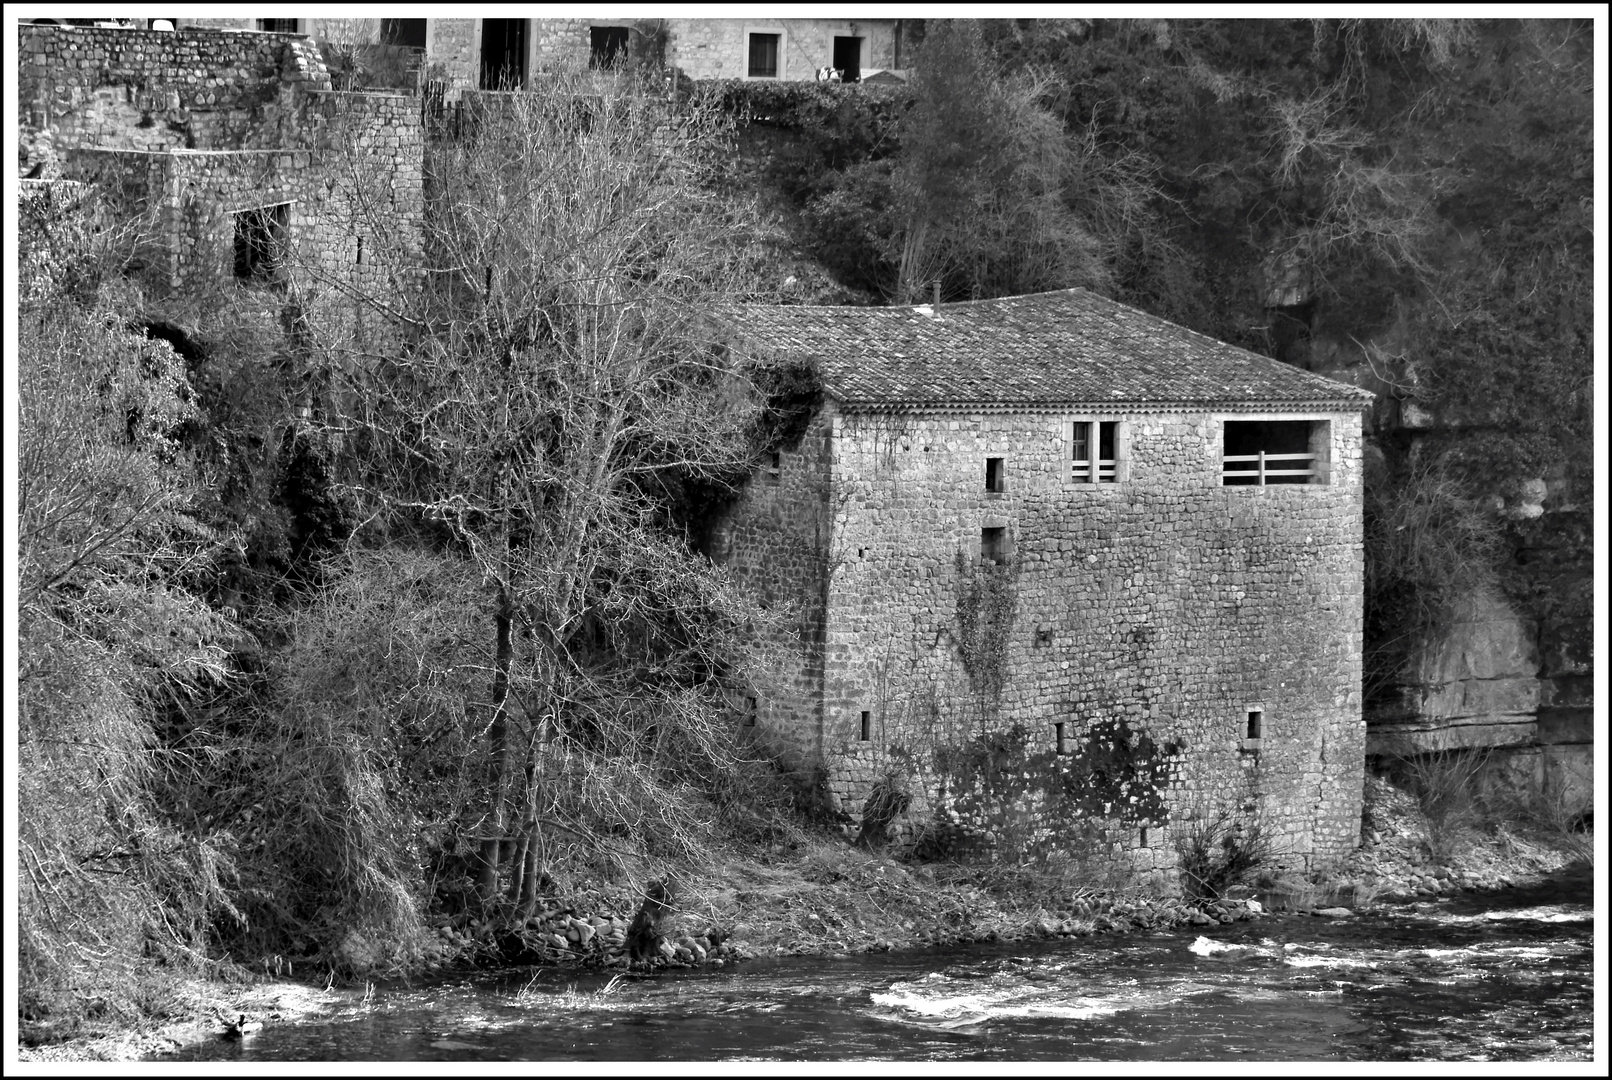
1218,851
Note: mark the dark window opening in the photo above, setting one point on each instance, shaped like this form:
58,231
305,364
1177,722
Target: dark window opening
1255,722
1062,747
993,475
750,710
862,553
260,236
359,258
1143,837
407,32
763,56
503,54
1099,436
1043,638
995,547
278,26
607,46
1262,452
848,58
775,466
867,725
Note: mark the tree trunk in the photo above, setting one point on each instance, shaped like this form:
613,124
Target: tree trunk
498,742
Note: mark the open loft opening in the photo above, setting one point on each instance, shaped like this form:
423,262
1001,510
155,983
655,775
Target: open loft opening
1258,453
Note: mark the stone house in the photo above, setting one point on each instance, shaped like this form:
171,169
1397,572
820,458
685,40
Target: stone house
1060,576
492,54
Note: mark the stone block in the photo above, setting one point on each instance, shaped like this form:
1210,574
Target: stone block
1482,698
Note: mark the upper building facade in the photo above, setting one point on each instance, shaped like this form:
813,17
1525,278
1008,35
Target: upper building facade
499,54
1062,578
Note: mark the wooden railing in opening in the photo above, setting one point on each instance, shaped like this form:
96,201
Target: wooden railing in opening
1260,473
1080,471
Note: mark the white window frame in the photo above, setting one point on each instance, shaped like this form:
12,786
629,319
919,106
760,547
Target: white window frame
1122,451
783,52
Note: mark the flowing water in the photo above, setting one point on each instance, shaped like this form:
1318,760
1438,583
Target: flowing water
1497,977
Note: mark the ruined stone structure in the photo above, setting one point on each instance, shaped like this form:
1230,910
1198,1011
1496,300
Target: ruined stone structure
228,145
1028,596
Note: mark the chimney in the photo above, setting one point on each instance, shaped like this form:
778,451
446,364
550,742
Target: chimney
937,292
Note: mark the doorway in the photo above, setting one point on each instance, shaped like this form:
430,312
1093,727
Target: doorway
848,58
503,54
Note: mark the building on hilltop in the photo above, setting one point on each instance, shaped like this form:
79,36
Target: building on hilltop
1064,577
498,54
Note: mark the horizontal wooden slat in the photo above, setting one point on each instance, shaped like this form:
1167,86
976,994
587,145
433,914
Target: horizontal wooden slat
1268,457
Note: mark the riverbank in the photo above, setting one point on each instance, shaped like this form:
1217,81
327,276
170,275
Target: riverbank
826,898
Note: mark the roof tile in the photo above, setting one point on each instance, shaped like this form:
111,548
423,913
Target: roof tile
1055,348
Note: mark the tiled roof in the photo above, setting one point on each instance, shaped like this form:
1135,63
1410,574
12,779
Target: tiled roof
1047,349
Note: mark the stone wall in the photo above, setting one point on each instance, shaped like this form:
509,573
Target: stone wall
777,541
153,90
718,48
1157,612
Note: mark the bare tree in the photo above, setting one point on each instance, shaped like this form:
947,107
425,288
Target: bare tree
549,393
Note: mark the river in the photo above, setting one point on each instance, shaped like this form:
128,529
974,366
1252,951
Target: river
1484,977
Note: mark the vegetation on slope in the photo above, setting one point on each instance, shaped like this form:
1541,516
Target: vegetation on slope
298,680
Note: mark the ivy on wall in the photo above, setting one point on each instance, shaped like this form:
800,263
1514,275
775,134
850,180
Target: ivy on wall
987,600
1011,794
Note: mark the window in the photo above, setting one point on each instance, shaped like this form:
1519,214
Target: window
1260,453
260,237
1060,745
503,54
1256,720
1094,436
607,46
406,32
775,466
995,546
750,710
994,482
278,26
848,58
867,725
764,56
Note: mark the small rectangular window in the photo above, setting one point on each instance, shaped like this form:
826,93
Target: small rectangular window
867,725
260,237
1061,746
994,481
775,466
409,33
1103,438
1256,721
751,708
763,56
1260,453
607,46
278,26
995,547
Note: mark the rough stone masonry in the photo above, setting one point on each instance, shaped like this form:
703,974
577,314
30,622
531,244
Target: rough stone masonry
1045,664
